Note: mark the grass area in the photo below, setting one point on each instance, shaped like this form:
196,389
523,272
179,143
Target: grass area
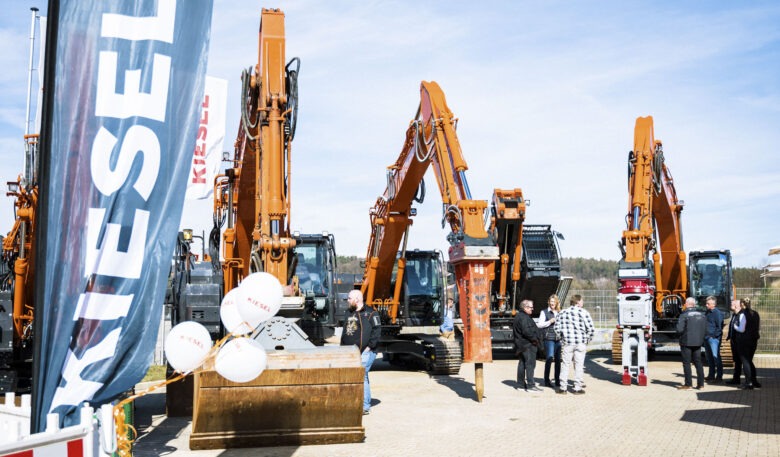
155,373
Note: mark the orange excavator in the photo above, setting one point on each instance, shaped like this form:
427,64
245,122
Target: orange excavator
16,280
387,282
654,277
307,394
17,268
528,267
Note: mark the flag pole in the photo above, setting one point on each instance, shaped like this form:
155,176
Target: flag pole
38,417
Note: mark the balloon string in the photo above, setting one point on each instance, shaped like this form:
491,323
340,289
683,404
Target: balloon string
126,433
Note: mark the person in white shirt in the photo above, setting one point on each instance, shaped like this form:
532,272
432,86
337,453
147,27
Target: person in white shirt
552,342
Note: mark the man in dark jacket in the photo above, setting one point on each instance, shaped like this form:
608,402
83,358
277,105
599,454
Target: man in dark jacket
692,326
712,341
362,328
526,338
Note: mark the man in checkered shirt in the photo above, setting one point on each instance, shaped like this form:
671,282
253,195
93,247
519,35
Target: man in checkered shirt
575,327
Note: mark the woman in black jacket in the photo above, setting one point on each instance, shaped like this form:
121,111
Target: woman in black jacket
747,335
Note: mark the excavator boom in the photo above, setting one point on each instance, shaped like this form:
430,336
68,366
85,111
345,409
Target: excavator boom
653,274
307,394
431,141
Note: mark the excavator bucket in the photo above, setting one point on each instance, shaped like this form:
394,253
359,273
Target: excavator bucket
304,396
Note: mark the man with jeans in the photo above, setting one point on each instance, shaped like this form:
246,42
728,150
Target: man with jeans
712,341
362,328
691,326
524,332
575,327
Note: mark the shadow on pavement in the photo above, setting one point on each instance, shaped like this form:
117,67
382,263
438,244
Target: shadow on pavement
754,411
154,442
463,388
594,367
512,384
597,363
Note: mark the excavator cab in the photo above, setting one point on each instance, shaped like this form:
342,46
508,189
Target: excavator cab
316,272
711,275
424,289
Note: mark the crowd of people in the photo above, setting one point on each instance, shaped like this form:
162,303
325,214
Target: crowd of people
563,335
697,328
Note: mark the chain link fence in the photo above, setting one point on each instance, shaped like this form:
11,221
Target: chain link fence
602,305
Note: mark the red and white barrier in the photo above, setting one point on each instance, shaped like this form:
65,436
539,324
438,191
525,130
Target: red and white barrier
14,420
82,440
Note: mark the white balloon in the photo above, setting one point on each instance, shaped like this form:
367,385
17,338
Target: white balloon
241,360
228,313
187,345
261,298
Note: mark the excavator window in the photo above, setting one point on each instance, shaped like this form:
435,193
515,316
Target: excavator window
710,277
311,275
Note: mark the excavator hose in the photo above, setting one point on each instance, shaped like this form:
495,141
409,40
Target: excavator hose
292,97
214,241
658,169
420,197
255,262
390,185
245,97
419,136
452,209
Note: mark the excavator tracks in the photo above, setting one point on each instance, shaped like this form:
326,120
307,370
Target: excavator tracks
447,356
725,354
617,348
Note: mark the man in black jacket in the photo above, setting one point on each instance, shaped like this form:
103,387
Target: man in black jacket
692,326
526,338
362,328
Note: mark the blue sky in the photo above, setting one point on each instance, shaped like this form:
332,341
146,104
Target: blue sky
547,94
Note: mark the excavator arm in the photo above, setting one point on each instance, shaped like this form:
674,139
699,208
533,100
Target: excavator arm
254,194
506,226
652,240
431,140
306,394
652,274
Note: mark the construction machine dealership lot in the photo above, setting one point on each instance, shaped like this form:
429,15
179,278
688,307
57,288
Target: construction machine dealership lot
448,420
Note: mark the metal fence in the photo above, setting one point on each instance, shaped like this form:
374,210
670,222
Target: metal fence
602,305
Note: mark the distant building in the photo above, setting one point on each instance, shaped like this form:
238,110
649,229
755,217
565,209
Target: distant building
772,269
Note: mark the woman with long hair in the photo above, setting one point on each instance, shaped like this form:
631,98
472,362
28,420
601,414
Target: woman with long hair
747,335
552,342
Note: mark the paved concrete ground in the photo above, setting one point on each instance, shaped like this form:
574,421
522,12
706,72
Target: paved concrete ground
418,414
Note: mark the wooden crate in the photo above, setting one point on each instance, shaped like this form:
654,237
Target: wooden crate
308,396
